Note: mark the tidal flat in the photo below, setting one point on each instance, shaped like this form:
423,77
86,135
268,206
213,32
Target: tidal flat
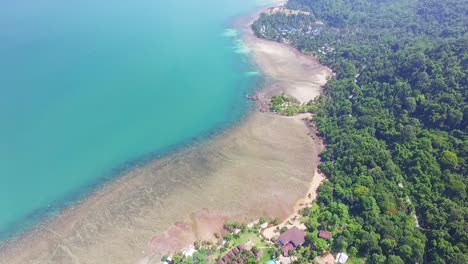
261,166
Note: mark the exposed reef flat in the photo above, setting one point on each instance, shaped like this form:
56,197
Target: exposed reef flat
262,166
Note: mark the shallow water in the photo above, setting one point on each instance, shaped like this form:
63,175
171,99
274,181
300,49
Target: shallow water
87,87
262,165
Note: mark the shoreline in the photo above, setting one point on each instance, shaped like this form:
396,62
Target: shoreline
293,82
68,238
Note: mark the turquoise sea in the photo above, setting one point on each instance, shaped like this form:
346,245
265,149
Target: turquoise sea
89,88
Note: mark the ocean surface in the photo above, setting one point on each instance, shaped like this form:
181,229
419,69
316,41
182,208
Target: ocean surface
89,88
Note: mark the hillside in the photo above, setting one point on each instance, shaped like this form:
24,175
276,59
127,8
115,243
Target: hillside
395,123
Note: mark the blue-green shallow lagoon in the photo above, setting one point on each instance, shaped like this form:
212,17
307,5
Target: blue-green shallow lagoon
88,87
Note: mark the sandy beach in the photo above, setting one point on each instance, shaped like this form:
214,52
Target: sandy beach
264,165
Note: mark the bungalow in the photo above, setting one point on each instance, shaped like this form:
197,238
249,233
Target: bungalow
236,250
237,255
286,249
291,239
325,234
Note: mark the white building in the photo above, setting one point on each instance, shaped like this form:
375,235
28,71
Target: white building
341,258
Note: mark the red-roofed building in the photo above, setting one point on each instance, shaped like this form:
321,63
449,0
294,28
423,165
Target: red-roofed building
291,239
325,234
235,250
237,255
286,249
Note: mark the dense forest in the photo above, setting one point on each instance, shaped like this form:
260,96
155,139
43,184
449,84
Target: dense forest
395,123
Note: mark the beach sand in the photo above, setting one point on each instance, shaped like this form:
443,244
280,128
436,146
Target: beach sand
262,166
291,72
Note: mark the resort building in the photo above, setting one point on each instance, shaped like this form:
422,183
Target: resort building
237,255
291,239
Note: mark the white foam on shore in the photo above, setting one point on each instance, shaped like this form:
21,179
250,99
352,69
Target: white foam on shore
241,47
230,33
252,73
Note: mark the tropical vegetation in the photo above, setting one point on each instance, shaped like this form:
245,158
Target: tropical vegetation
394,120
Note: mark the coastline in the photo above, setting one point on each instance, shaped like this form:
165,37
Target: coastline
265,151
